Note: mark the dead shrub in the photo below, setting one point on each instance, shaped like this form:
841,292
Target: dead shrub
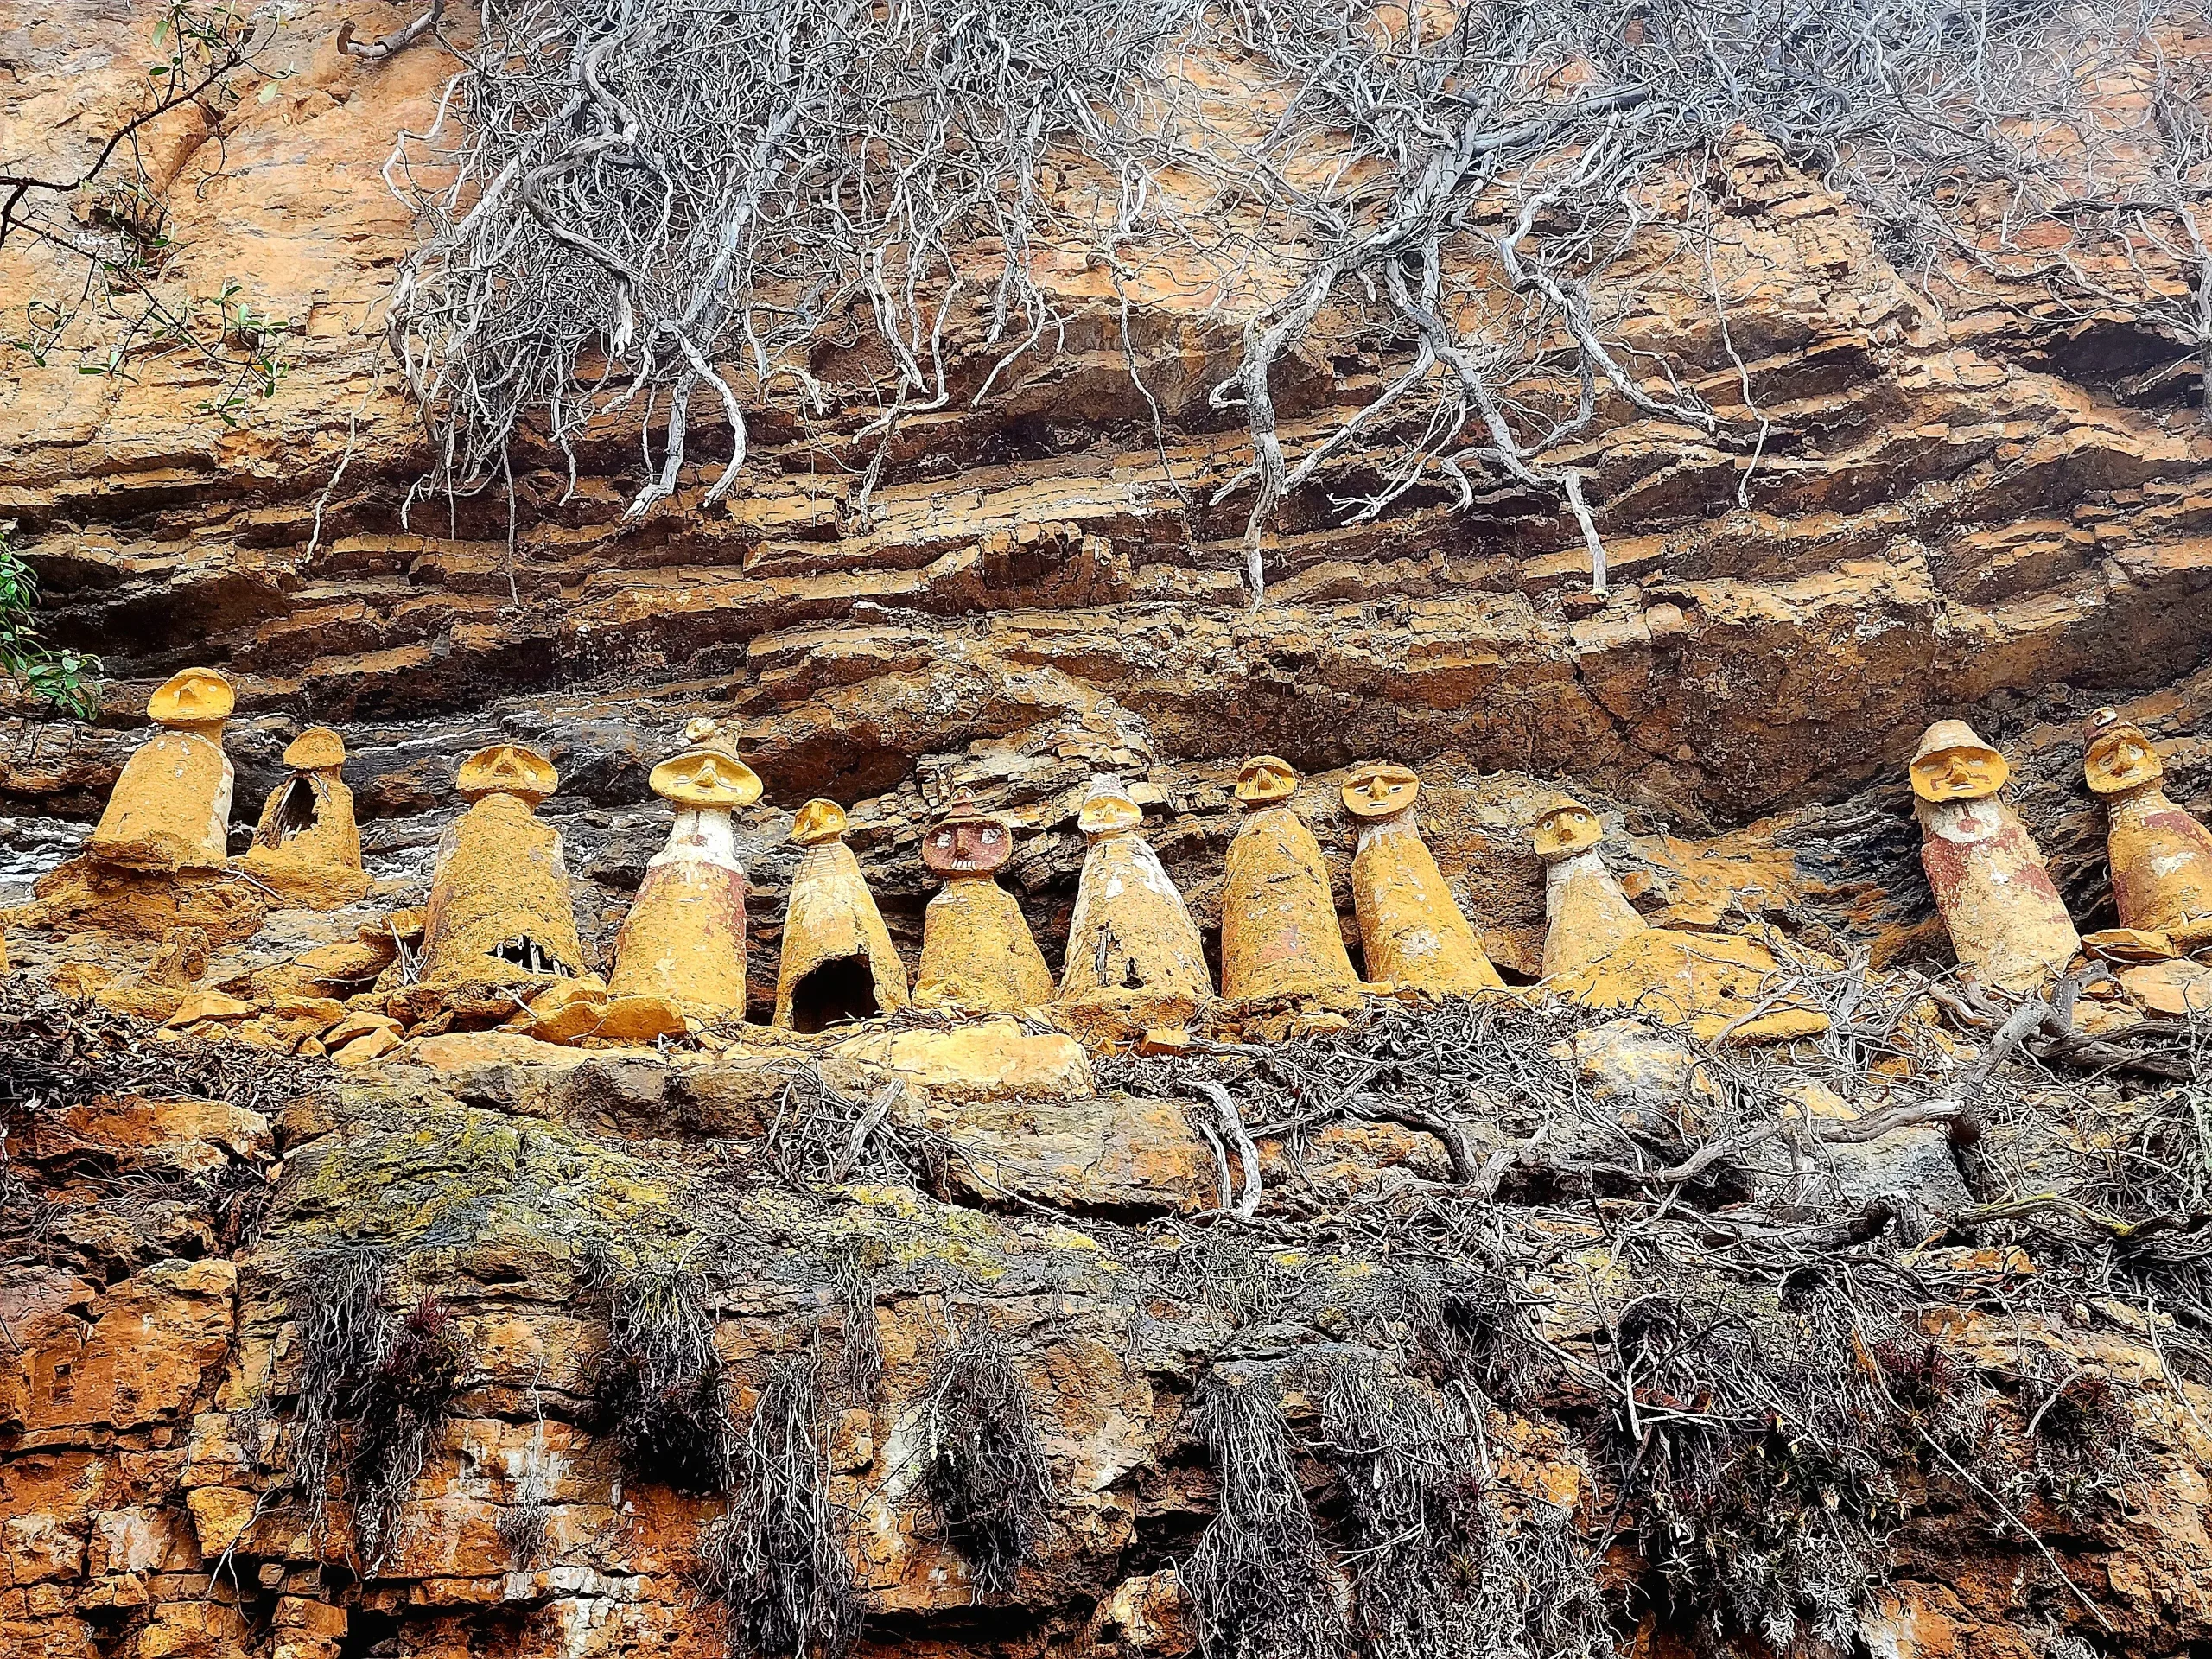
1261,1585
1413,1507
1759,1451
861,1371
662,1391
775,1559
337,1297
400,1409
986,1478
2081,1433
1474,1328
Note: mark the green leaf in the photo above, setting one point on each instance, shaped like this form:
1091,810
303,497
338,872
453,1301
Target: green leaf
269,93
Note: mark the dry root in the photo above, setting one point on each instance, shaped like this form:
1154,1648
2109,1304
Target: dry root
987,1480
775,1560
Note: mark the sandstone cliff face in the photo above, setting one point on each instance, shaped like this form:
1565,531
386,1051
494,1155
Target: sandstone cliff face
170,1245
1966,508
1958,508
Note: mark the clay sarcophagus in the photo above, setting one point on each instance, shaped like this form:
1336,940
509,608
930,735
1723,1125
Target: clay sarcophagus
838,961
1586,916
1134,957
2161,856
977,951
1280,936
2009,927
683,939
308,845
1411,931
171,808
500,910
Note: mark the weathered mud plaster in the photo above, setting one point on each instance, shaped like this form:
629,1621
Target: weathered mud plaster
1412,932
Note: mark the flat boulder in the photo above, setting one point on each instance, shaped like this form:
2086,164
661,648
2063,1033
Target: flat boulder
989,1059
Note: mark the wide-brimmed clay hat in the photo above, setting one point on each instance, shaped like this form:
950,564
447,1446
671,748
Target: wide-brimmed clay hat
506,769
708,773
190,697
316,749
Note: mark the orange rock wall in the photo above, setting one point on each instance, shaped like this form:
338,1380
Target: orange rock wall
1967,507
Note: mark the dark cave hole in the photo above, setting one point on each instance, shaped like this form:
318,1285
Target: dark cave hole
297,811
529,955
842,989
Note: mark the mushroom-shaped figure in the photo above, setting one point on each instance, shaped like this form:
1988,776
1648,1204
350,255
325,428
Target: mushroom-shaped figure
1586,916
171,808
1598,951
1131,938
1411,931
1280,936
977,951
2161,856
838,961
683,939
308,820
2009,927
499,912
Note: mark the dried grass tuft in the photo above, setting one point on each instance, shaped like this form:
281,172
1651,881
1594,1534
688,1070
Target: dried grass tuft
662,1390
401,1410
338,1310
775,1560
986,1478
1259,1583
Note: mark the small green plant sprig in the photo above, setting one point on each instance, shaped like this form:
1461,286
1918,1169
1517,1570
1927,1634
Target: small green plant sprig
64,680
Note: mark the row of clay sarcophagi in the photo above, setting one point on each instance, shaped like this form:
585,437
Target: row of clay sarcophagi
500,912
170,810
500,909
2009,926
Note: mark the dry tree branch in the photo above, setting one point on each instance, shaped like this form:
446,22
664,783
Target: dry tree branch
401,38
626,203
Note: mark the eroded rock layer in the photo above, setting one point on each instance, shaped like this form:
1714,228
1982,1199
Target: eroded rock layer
1979,507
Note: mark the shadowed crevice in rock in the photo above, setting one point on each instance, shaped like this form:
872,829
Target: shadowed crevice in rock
834,993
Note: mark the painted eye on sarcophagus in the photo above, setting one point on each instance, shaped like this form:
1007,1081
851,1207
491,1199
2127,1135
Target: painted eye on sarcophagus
942,840
990,838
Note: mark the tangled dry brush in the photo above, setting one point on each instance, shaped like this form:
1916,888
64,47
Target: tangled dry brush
791,209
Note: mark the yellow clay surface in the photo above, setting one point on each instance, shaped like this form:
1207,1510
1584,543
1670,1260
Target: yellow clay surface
1279,929
684,937
2175,989
1131,935
1411,931
988,1059
2008,925
334,839
978,953
1586,915
574,1010
82,895
2161,861
1703,981
171,808
500,877
832,915
318,865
